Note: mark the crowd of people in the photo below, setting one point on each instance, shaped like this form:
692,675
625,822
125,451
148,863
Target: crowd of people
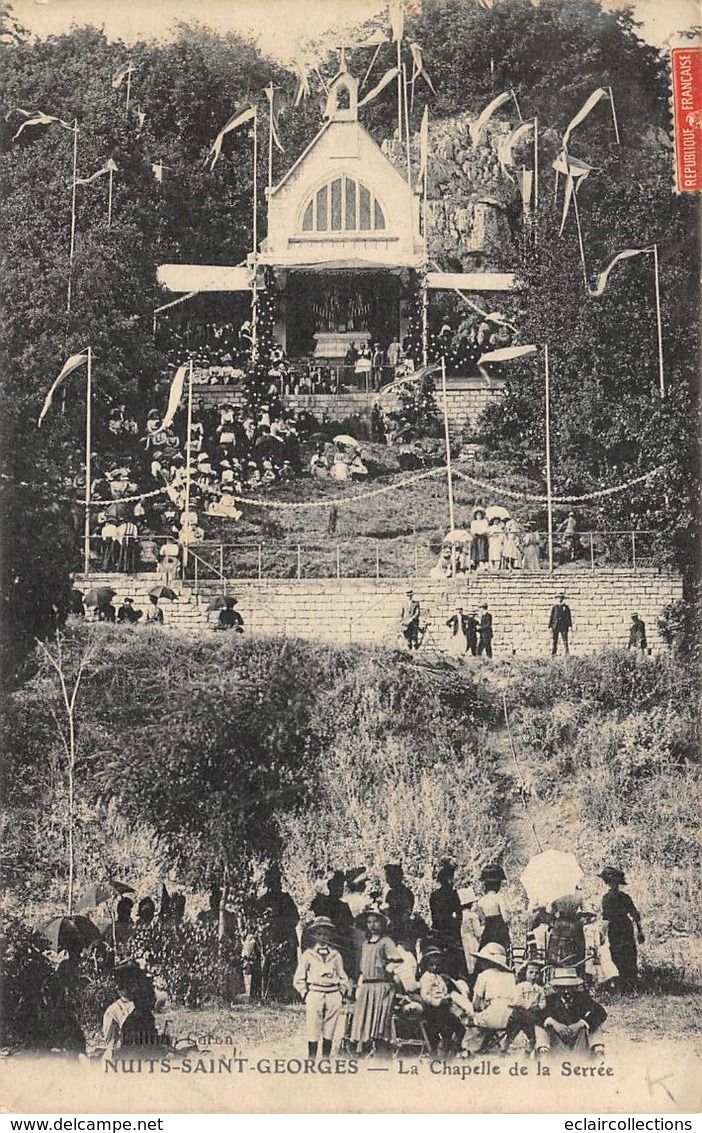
493,540
374,971
145,521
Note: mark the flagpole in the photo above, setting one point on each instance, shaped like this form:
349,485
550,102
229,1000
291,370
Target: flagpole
188,443
88,449
73,214
549,490
514,96
254,288
109,202
407,133
614,116
536,179
425,282
661,374
270,139
449,474
399,89
580,233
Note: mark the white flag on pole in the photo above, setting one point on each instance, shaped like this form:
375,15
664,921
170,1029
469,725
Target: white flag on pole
36,118
235,121
72,364
108,167
506,353
175,396
418,66
384,82
602,278
270,95
477,127
506,145
424,144
575,171
120,75
595,97
397,22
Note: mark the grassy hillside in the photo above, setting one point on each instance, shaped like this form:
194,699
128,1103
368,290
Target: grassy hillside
197,754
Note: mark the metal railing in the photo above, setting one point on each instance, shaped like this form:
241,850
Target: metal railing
376,558
401,557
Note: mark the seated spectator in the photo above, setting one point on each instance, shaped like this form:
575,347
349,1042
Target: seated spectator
357,468
154,614
105,611
435,992
494,989
319,464
229,618
528,1005
127,614
571,1016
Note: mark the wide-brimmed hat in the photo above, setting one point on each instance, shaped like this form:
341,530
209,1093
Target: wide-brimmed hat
374,911
566,977
356,876
612,876
467,896
493,872
494,954
321,926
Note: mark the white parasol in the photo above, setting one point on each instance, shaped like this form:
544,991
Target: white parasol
550,875
457,535
495,511
343,439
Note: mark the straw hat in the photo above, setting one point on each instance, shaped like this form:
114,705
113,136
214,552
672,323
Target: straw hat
467,896
493,954
566,977
321,926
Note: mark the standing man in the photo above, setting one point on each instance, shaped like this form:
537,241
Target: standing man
394,355
637,635
560,622
409,620
485,640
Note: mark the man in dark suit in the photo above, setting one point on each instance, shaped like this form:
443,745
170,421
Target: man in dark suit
637,635
409,621
467,624
560,622
485,641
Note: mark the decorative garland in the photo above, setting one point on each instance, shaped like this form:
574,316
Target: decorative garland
280,505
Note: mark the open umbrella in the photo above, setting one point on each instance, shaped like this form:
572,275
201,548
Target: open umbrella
496,512
344,439
99,595
72,933
220,602
162,591
550,875
457,535
103,891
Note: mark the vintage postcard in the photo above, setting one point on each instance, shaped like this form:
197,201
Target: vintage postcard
351,635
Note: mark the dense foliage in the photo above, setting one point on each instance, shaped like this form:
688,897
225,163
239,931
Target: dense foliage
199,748
552,55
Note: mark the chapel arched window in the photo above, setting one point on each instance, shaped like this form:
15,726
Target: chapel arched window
343,205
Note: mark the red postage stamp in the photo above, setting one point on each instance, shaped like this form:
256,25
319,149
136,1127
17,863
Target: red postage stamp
687,117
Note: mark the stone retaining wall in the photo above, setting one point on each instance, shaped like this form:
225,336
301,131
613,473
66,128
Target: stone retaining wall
466,399
363,610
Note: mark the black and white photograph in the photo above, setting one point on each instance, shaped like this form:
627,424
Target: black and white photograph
350,556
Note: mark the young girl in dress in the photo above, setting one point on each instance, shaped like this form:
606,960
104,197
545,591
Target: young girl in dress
376,990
